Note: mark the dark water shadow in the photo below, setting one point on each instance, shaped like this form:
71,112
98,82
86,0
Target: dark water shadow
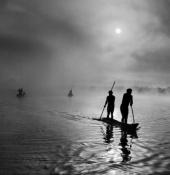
125,147
126,141
108,135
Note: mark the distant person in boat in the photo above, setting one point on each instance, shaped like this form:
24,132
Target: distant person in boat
70,94
110,102
127,99
20,92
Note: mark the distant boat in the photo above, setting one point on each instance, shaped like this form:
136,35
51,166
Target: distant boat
70,94
21,93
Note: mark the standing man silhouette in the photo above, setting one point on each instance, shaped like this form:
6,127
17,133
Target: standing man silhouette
127,99
110,102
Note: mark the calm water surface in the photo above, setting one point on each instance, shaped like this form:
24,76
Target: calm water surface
57,135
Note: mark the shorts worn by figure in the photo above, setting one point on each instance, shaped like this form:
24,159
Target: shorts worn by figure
110,110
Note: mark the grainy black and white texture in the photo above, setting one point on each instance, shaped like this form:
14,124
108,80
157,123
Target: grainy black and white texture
54,42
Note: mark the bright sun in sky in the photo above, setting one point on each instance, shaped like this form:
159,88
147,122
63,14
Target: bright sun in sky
118,31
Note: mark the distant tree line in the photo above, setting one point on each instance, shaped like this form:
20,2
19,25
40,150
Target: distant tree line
160,90
138,89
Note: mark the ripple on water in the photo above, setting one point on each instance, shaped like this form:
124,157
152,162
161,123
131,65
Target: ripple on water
39,142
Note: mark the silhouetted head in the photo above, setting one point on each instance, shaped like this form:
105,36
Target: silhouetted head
110,92
129,91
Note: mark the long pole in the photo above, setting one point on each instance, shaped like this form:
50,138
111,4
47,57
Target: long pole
113,85
133,115
104,106
102,112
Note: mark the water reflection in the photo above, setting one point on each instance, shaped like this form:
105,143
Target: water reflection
125,147
125,142
108,136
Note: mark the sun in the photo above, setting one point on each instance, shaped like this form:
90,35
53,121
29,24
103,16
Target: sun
118,31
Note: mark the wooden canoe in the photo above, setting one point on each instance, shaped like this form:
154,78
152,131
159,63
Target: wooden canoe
127,127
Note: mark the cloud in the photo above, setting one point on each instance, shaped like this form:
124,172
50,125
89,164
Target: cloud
73,41
36,40
19,46
157,62
161,10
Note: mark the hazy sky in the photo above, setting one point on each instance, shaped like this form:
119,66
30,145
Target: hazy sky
70,42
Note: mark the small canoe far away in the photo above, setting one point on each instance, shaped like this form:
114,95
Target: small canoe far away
70,94
21,93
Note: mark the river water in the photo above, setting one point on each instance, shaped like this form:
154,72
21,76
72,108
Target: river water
57,135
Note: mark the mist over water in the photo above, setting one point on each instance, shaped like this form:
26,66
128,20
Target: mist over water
50,47
54,134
